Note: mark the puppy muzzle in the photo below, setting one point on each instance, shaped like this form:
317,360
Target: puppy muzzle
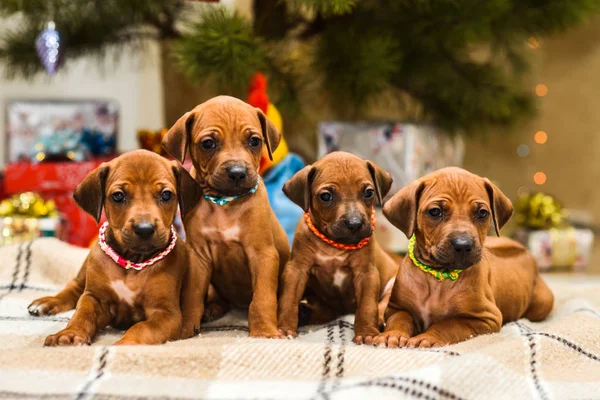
233,179
457,252
351,229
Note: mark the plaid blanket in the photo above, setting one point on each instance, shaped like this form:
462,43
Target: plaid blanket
557,359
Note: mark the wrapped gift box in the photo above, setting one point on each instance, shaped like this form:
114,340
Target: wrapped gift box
20,229
559,249
57,181
407,151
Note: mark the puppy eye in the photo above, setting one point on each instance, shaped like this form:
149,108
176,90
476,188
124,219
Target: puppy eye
166,195
325,196
254,141
482,213
118,197
369,193
208,144
435,212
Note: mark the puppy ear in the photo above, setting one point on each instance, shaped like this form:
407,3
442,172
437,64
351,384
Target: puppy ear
270,133
402,209
382,179
189,191
175,141
90,193
298,187
502,207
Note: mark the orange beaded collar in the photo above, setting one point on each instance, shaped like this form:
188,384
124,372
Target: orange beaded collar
341,246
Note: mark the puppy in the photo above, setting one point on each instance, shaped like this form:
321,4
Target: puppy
233,228
335,262
456,282
139,275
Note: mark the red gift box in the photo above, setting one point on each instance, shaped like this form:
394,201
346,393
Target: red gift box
57,181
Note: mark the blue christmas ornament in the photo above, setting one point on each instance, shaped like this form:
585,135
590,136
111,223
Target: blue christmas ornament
49,48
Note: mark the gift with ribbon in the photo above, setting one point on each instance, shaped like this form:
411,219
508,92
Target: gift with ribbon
544,228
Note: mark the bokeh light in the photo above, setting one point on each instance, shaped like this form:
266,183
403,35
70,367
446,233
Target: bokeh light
523,150
539,178
533,43
541,90
522,191
540,137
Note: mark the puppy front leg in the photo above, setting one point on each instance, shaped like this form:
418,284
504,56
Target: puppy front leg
398,329
454,330
193,293
65,300
162,323
366,289
293,280
262,313
90,317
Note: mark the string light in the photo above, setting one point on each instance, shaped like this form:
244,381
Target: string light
522,191
539,178
533,43
540,137
523,150
541,90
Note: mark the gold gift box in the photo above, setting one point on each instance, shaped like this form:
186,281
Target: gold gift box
18,229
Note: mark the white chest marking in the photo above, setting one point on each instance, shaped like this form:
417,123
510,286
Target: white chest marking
124,293
231,234
338,278
329,259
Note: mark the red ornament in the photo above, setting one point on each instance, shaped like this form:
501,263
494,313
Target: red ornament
257,92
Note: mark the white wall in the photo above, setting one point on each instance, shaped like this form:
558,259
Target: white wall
134,82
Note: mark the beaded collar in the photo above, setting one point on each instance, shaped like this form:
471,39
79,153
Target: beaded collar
127,264
341,246
223,200
440,275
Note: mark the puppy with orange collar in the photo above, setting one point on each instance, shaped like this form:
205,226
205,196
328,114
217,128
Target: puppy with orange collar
456,282
233,228
139,276
336,264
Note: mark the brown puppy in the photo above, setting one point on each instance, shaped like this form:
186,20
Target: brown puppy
337,278
233,229
139,192
450,212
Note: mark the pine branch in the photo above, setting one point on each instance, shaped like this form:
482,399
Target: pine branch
326,7
222,46
86,29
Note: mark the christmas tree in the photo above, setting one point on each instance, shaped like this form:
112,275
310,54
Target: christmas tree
462,61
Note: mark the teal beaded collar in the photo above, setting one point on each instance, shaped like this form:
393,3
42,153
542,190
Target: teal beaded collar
223,200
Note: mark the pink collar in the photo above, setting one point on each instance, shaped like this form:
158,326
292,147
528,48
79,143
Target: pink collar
128,264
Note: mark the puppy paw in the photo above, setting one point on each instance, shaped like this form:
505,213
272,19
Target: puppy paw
288,333
48,306
425,341
391,339
213,311
189,330
266,334
68,337
365,337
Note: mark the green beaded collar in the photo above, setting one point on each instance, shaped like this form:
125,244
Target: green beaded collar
440,275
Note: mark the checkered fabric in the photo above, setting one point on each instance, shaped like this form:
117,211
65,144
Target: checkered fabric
557,359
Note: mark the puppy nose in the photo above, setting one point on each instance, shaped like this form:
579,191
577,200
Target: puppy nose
144,229
354,224
462,244
237,173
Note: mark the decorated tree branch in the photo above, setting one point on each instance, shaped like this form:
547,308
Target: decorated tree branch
463,61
